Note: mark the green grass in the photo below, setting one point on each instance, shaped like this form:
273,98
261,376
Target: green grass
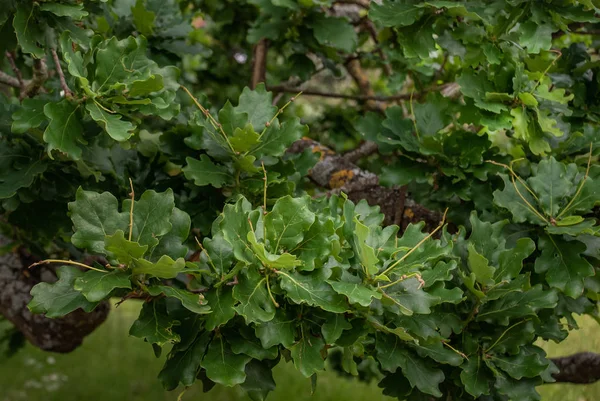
110,366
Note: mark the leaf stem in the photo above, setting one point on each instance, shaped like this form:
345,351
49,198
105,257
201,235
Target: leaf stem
279,111
264,200
67,262
412,113
502,335
270,293
132,195
406,277
206,252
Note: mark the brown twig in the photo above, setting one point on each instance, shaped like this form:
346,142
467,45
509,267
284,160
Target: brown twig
40,74
13,65
61,75
259,63
370,27
360,3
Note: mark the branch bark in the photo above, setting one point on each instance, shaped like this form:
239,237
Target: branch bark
58,335
259,63
338,174
580,368
61,75
40,75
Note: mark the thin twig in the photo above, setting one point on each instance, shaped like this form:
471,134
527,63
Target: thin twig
312,92
61,75
365,149
13,65
259,63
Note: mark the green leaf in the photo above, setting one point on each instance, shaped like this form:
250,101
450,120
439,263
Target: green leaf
143,18
527,129
283,261
165,267
244,341
589,194
205,172
96,285
510,261
366,253
522,390
64,132
18,169
173,243
74,11
123,250
151,216
94,216
234,227
222,365
113,125
536,37
154,325
395,14
333,327
193,302
244,139
254,302
438,352
476,377
357,293
28,30
306,354
221,303
218,253
552,183
475,86
518,201
334,32
287,222
479,265
258,105
278,138
182,365
316,245
30,115
59,299
516,305
524,364
419,373
563,264
279,330
312,289
259,380
410,298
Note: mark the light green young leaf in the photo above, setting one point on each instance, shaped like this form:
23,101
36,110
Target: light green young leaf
165,267
151,216
193,302
123,250
118,129
287,222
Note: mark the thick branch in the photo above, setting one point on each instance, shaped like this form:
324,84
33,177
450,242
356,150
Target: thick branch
338,174
40,74
259,63
58,335
581,368
365,149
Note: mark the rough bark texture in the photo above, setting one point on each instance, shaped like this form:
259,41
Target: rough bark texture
339,174
259,60
581,368
57,335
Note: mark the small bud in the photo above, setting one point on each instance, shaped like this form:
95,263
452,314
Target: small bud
292,98
267,124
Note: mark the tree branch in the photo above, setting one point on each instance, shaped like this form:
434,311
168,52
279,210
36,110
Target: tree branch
361,3
9,80
338,174
58,335
259,63
581,368
365,149
61,75
40,74
13,65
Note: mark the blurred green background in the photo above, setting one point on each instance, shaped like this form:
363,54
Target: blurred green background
110,366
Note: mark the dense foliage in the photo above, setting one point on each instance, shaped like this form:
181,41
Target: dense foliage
487,108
